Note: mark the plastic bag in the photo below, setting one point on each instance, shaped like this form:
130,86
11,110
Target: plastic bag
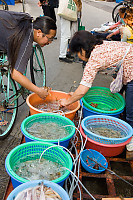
117,83
80,26
68,10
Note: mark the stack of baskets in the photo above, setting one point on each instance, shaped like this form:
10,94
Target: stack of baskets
107,146
103,108
35,147
100,100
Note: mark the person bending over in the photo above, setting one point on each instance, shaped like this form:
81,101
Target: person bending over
127,29
100,55
18,31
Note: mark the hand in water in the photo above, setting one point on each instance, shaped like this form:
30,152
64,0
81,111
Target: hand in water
43,93
63,102
48,89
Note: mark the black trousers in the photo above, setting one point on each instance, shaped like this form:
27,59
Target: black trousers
102,35
49,11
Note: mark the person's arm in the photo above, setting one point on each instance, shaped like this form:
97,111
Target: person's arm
113,26
111,34
97,61
89,74
78,4
77,95
26,83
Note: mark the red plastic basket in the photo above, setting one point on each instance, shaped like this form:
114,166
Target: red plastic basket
108,150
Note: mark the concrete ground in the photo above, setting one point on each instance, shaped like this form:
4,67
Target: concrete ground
59,76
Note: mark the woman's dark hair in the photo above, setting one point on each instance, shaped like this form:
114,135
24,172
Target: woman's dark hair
21,27
122,10
84,40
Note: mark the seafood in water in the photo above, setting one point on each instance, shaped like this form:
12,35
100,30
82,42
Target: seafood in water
40,192
48,130
113,109
52,106
106,132
96,166
94,105
33,170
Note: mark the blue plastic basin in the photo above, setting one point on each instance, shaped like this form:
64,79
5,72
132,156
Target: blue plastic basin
63,194
89,164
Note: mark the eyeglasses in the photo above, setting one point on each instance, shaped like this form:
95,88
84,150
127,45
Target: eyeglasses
49,39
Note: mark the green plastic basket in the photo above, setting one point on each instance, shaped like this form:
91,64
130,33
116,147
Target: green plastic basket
107,102
33,150
47,118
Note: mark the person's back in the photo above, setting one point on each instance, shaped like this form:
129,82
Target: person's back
127,30
9,27
8,20
117,25
127,34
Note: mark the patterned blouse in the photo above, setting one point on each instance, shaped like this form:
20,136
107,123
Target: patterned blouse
106,56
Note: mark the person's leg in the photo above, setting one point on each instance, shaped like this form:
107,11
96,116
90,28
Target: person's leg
46,11
129,103
65,36
74,27
116,37
52,13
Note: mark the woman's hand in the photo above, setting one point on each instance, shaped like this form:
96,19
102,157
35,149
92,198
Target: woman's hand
63,102
42,93
109,36
106,30
70,93
78,94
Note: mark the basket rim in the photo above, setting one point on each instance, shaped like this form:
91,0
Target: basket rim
102,111
103,157
102,144
98,113
30,184
20,179
111,118
43,115
40,111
